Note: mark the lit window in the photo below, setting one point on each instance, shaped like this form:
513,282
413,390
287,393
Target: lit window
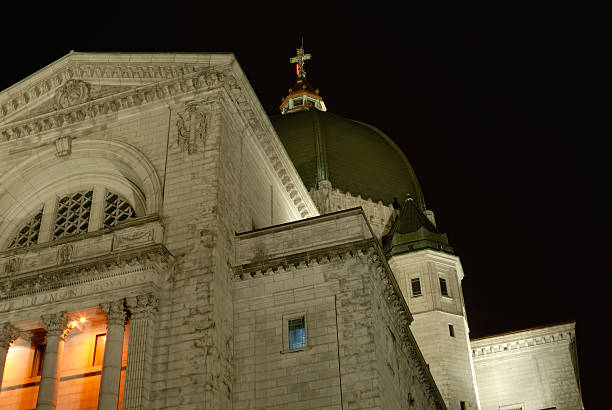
443,288
451,330
116,210
28,235
416,287
99,347
297,333
73,214
39,358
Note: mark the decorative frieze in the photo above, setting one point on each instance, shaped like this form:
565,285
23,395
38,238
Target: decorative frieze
154,257
520,342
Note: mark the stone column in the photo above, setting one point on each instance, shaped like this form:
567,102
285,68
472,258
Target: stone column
140,352
111,367
8,334
57,329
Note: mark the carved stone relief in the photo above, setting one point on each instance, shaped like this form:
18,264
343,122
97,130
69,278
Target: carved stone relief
192,126
12,265
64,254
63,146
73,92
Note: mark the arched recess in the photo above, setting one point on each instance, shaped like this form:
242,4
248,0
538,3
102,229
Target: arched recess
118,166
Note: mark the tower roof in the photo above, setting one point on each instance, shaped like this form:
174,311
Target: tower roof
412,231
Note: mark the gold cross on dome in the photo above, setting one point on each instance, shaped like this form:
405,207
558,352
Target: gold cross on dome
299,62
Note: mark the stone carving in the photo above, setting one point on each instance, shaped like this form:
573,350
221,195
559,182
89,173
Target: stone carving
132,238
64,254
12,265
114,311
63,146
8,334
192,125
73,92
56,324
157,258
142,306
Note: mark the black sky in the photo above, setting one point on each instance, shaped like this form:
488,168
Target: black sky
487,104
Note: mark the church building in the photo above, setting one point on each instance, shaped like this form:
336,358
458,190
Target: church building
164,244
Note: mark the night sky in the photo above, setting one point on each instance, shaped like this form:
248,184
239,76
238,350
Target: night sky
487,104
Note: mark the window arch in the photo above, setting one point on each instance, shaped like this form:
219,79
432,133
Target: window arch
117,209
75,213
28,234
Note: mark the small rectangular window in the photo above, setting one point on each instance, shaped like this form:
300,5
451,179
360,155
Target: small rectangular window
297,333
99,348
416,287
462,404
451,331
443,287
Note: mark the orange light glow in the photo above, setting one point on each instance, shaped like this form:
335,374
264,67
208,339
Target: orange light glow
73,324
82,320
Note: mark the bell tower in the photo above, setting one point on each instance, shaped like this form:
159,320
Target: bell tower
429,275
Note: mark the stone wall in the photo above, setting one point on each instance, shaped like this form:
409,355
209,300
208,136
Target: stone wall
534,368
359,353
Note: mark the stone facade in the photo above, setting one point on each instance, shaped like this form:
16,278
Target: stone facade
124,181
535,369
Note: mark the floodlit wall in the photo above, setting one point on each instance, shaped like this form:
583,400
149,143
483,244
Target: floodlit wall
530,369
359,352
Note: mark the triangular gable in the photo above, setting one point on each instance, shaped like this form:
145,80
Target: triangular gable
81,77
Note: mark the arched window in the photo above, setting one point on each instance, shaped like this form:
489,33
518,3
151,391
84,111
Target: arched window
73,213
28,235
76,213
116,210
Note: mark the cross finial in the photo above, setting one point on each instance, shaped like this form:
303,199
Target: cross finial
298,60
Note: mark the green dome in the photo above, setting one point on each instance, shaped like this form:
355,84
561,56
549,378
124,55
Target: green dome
355,157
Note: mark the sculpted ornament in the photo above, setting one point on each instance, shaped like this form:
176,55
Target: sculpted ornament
73,92
142,305
8,334
64,254
114,311
56,324
192,125
12,265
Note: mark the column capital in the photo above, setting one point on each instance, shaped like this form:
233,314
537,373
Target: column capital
114,311
56,324
142,305
8,334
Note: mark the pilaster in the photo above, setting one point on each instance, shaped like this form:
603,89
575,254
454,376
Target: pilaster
142,309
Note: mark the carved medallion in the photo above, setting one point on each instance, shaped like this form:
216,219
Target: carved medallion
192,125
12,265
64,254
73,92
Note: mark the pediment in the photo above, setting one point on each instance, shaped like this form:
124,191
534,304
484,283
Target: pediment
82,77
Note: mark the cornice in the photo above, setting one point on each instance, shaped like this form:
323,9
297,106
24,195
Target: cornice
368,251
155,257
171,80
521,342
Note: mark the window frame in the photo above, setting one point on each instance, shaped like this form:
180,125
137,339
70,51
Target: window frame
420,292
444,290
287,318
